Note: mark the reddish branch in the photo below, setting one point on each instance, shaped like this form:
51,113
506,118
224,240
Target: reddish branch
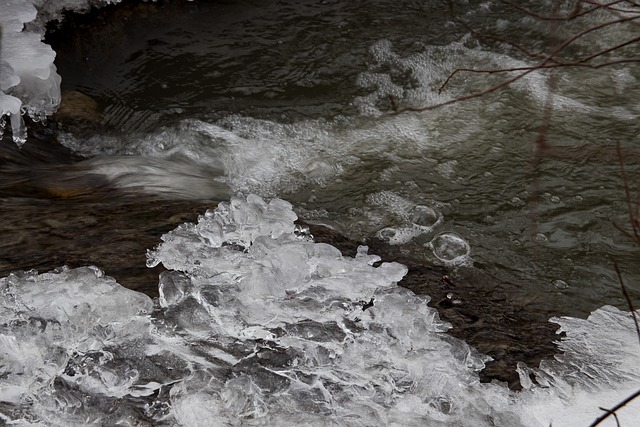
628,298
634,219
615,9
480,35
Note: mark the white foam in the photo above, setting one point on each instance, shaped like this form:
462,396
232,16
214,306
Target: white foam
175,179
264,157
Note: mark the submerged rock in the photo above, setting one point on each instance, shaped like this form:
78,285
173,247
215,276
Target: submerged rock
78,113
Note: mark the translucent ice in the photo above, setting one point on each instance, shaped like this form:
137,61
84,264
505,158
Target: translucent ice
314,346
598,369
63,335
29,82
303,312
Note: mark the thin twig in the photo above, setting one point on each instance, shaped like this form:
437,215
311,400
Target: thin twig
543,64
394,105
628,298
623,231
615,416
610,7
612,411
551,57
637,212
468,97
582,63
480,35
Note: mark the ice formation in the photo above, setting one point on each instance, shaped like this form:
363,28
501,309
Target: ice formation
29,83
28,79
64,339
257,324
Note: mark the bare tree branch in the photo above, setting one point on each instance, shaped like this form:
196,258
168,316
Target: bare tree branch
610,7
504,40
576,13
548,61
613,410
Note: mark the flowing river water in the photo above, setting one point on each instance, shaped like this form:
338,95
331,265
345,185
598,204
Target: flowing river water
292,100
185,104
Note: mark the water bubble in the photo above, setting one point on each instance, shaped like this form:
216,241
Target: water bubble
450,248
516,201
386,234
555,199
560,284
539,237
424,216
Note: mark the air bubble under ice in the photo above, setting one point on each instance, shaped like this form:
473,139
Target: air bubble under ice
414,220
451,249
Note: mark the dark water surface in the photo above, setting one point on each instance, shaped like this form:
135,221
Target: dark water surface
52,217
